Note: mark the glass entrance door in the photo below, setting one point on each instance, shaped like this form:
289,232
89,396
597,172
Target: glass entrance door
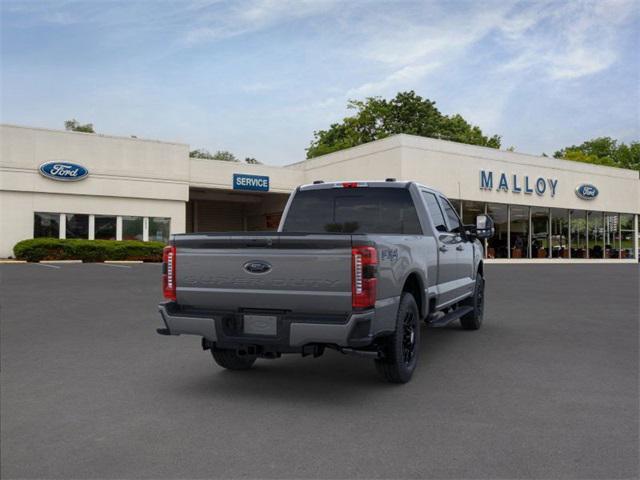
540,247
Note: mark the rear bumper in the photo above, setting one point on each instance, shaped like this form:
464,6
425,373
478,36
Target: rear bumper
224,328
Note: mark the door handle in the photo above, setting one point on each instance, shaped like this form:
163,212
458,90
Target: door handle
460,248
443,248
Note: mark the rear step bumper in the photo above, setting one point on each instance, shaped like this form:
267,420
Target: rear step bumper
354,331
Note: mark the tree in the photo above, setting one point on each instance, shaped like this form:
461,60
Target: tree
201,153
252,161
225,156
219,155
75,126
377,118
604,151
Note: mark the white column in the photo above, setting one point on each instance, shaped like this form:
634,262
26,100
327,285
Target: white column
509,231
145,229
118,227
530,236
486,241
63,225
569,233
92,227
619,235
549,236
635,236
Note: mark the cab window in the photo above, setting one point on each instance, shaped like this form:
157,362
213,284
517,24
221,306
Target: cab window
452,217
435,211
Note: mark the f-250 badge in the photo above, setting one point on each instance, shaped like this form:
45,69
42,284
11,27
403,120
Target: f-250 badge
390,254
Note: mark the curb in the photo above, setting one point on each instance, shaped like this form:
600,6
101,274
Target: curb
60,261
8,261
123,261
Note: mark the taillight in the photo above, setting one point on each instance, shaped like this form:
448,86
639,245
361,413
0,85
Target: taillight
169,272
351,184
364,261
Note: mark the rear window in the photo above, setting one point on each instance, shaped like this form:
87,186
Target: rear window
353,210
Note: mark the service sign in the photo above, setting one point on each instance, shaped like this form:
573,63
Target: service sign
250,182
586,191
63,171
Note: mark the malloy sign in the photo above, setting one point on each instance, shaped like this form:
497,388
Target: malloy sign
518,183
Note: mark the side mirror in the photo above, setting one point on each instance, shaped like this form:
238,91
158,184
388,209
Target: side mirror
484,226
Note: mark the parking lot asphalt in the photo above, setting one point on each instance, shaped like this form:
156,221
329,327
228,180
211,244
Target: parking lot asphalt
548,388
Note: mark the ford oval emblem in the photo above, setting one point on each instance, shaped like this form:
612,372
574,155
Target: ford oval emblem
63,171
586,191
257,266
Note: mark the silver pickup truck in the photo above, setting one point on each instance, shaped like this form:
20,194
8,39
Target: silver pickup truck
354,266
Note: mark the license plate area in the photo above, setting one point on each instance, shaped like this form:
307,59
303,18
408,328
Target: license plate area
266,325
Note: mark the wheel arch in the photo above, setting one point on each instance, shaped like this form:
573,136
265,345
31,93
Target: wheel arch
414,284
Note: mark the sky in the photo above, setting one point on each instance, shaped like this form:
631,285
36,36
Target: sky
258,77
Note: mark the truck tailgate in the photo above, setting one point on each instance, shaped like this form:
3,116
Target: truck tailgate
305,273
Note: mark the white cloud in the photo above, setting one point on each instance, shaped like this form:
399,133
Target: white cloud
250,16
258,87
405,77
481,59
564,41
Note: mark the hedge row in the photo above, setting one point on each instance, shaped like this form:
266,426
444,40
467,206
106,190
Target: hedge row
37,249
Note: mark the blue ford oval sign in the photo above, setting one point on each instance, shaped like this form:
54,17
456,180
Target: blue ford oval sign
586,191
257,266
63,171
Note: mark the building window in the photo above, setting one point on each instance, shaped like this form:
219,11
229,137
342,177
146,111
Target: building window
559,233
77,226
132,228
457,204
159,228
46,225
578,234
595,225
497,246
626,236
470,210
611,236
539,232
519,231
105,227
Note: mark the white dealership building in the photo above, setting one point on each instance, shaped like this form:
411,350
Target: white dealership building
78,185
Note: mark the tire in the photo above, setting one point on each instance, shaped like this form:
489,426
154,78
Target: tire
401,350
473,319
230,359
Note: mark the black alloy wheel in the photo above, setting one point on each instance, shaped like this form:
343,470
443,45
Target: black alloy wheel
473,319
402,349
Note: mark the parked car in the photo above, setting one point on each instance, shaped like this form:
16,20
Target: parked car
354,266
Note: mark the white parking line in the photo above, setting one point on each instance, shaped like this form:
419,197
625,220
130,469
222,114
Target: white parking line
114,265
47,265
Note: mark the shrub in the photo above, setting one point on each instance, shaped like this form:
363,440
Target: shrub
36,249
